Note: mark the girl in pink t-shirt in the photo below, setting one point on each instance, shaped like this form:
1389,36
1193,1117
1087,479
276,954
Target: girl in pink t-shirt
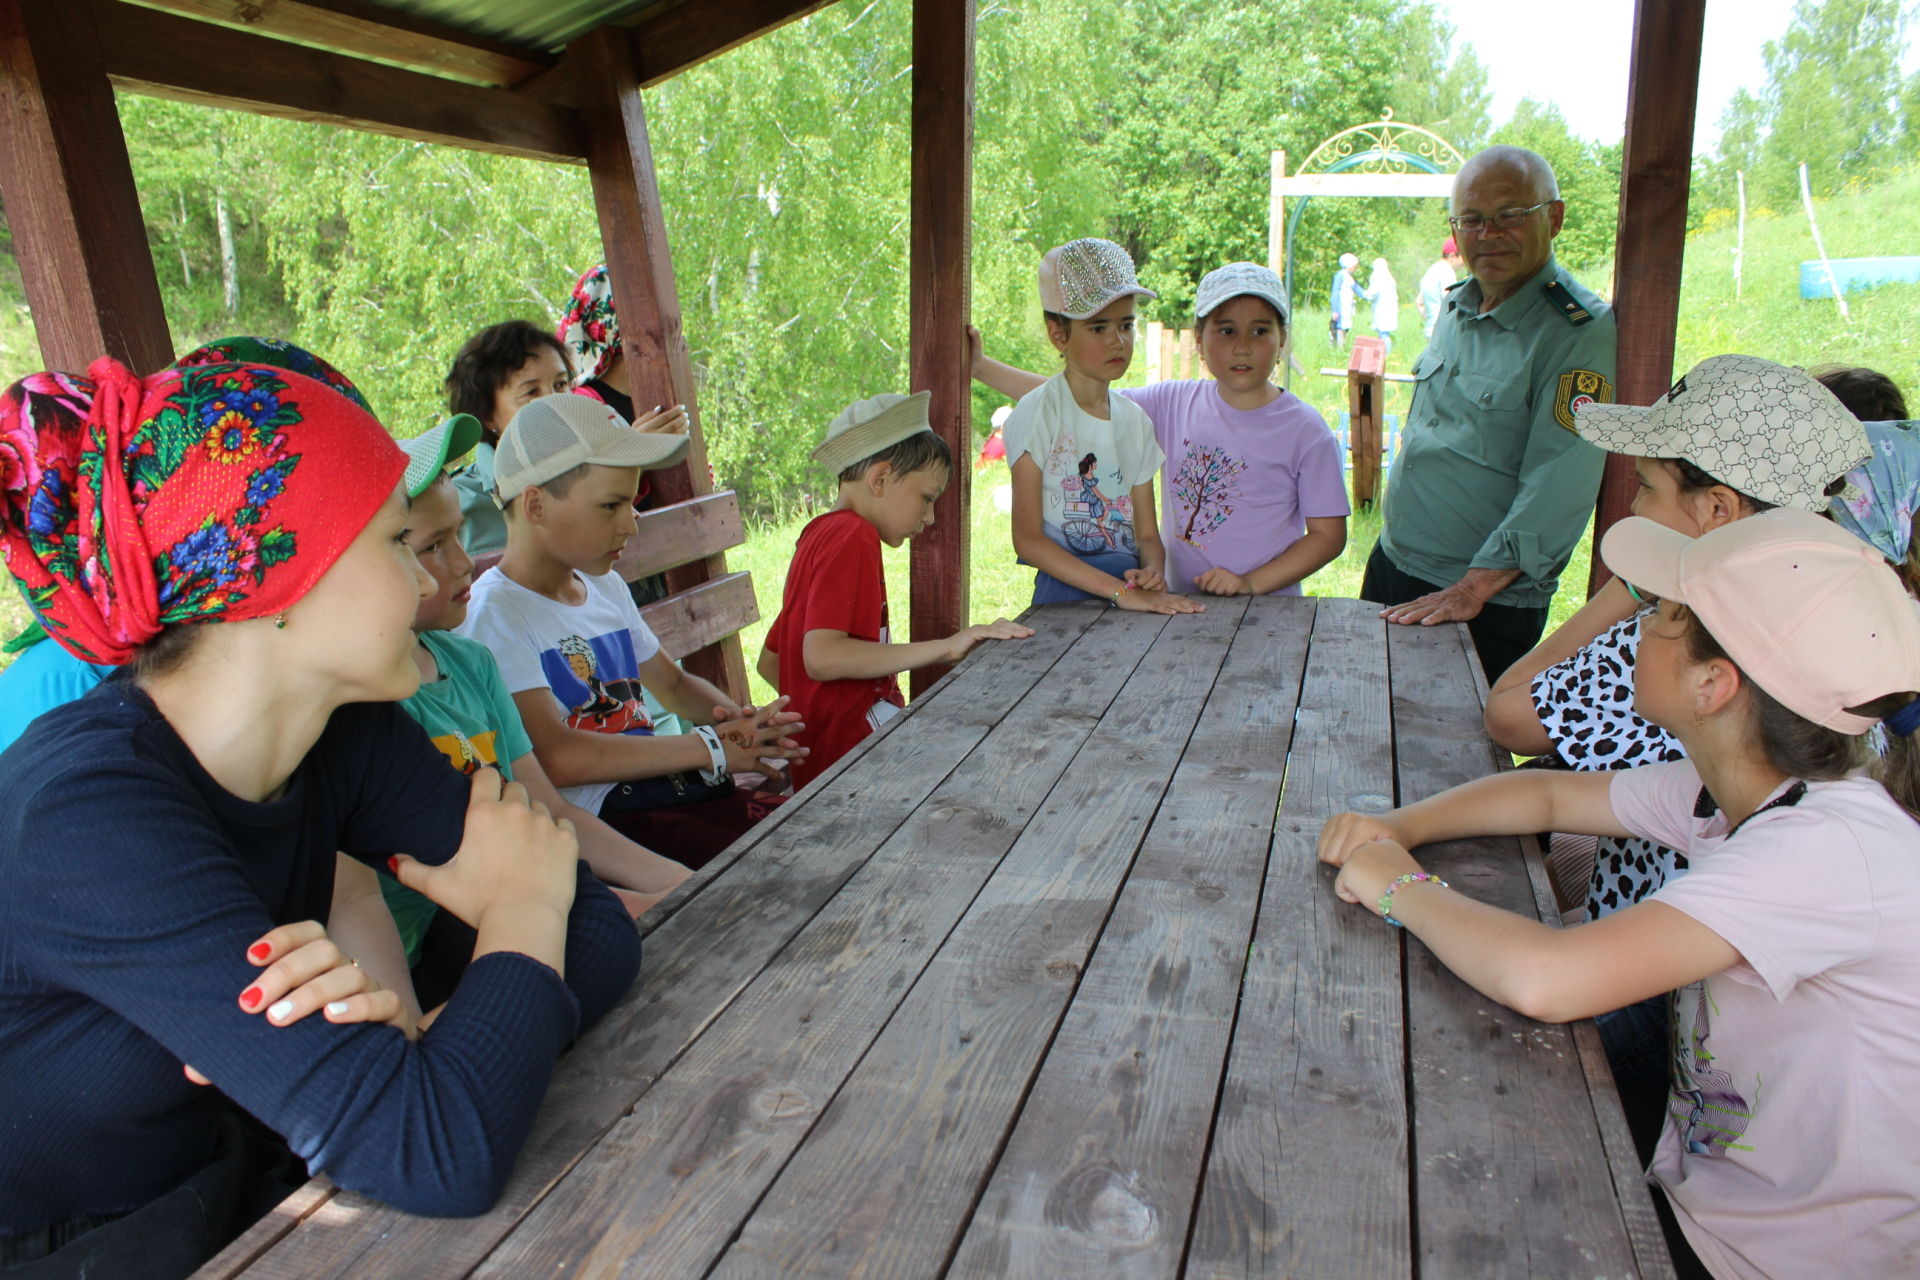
1790,947
1253,497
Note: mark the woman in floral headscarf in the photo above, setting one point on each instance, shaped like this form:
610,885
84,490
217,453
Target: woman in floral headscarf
235,533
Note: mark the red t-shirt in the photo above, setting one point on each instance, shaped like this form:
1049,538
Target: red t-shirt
836,583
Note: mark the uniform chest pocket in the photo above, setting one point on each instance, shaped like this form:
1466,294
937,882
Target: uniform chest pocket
1497,406
1428,377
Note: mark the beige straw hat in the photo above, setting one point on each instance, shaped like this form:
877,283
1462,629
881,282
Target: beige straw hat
865,427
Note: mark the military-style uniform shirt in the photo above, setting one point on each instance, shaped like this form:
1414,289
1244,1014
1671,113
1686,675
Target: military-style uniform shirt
1491,473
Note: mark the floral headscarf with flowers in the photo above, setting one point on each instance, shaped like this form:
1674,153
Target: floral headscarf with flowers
277,354
1882,492
129,504
588,326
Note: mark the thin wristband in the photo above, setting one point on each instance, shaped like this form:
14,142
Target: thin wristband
1385,905
1119,591
716,753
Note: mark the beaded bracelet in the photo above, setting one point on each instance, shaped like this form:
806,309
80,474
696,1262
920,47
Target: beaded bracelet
1119,591
1385,905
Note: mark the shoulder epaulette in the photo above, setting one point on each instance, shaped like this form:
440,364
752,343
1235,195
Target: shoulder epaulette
1562,297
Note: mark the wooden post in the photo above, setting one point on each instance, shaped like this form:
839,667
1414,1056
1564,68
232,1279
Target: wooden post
633,235
941,258
1365,393
68,189
1656,167
1276,214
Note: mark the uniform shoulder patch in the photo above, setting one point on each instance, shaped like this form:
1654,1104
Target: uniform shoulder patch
1569,306
1578,387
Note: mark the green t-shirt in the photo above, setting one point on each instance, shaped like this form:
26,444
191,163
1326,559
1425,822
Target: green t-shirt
471,717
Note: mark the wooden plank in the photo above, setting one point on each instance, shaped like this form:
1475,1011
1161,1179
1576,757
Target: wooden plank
1656,170
704,615
1102,1171
695,964
1307,1176
668,537
940,258
662,1195
371,31
247,1248
888,1178
1510,1168
633,232
677,39
156,53
70,199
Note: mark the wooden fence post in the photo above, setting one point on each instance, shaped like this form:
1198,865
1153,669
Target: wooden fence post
633,234
68,189
941,257
1656,169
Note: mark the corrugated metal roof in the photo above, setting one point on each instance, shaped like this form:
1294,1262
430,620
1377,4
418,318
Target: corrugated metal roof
536,24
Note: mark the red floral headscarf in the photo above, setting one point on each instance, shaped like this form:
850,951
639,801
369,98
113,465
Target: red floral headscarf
588,326
213,493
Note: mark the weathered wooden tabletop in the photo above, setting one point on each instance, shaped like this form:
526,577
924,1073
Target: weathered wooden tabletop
1036,984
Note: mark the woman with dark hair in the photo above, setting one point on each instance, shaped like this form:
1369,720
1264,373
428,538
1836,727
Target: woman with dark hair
235,535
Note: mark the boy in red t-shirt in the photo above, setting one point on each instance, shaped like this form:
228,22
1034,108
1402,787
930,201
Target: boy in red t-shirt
839,665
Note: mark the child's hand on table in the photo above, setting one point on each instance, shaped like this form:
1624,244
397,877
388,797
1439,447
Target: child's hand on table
1145,580
752,736
962,642
1369,869
1222,582
1140,600
305,972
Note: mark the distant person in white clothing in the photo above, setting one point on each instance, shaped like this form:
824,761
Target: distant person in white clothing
1440,277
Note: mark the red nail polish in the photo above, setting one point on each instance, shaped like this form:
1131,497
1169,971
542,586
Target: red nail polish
260,950
251,998
393,864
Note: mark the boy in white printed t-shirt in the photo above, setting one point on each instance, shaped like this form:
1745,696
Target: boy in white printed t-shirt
1083,458
575,651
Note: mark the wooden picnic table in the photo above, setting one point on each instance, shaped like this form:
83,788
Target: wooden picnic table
1045,981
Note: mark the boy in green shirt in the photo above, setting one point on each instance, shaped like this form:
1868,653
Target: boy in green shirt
464,705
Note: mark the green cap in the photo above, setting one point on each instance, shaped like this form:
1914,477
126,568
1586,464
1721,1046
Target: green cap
429,452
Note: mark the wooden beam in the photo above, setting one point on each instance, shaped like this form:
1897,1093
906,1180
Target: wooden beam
669,42
941,261
170,57
372,31
68,188
633,234
1663,88
669,537
704,617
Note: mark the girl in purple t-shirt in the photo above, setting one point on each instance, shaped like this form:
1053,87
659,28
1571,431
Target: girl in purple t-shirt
1253,499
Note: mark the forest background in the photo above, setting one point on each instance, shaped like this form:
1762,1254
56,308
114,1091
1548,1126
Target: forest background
783,169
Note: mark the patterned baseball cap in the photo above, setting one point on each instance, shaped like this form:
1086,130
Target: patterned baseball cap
1763,429
1240,280
1080,277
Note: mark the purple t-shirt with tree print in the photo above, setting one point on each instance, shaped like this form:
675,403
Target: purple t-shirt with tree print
1239,484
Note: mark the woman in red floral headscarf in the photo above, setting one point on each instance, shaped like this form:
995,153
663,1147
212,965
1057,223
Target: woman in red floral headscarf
235,535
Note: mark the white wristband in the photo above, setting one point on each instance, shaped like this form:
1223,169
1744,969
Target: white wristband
716,753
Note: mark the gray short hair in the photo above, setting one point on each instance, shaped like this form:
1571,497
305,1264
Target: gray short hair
1531,164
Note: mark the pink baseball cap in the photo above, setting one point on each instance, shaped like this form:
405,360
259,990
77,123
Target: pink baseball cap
1811,613
1449,247
1080,277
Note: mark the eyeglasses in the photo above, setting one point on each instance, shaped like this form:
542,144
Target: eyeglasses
1505,220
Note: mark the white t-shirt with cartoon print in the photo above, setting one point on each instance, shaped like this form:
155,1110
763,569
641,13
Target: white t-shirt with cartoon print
1088,467
1791,1129
587,655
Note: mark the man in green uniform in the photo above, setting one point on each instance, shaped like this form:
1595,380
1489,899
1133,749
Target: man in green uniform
1492,487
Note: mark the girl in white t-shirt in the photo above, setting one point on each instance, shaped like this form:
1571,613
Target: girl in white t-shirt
1790,946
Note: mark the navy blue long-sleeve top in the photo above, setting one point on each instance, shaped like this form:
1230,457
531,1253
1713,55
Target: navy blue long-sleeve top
131,885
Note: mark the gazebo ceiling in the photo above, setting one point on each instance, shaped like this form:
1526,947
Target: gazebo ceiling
547,25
